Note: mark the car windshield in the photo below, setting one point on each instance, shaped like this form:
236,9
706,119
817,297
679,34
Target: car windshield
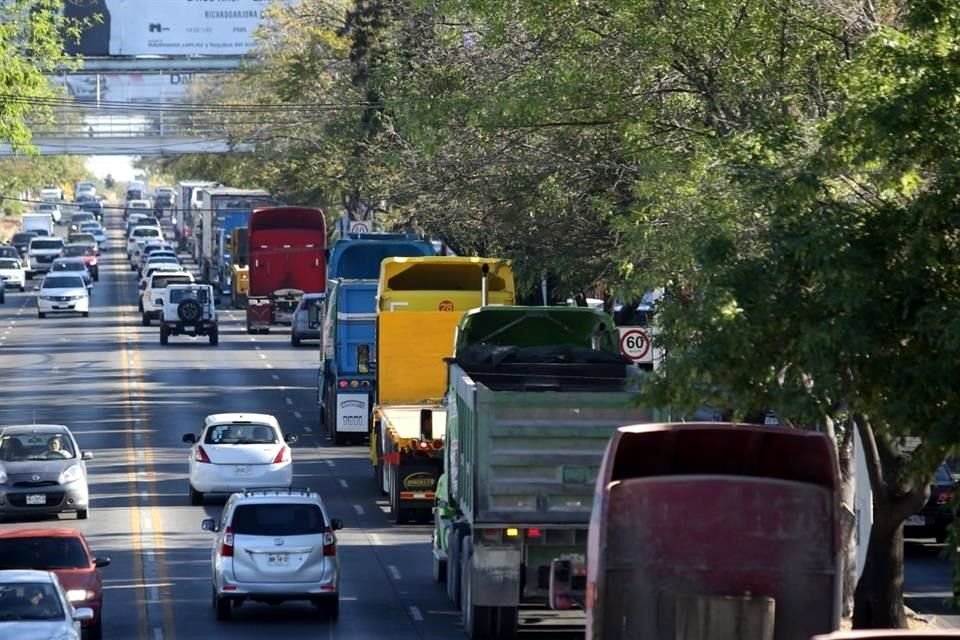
81,217
161,282
35,446
47,244
68,266
82,250
179,295
47,207
29,601
63,282
162,257
43,553
92,227
290,519
82,237
19,238
147,232
241,434
7,263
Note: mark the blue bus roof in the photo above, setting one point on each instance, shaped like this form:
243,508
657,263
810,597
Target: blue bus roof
359,259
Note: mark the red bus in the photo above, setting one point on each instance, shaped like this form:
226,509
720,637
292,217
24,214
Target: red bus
287,253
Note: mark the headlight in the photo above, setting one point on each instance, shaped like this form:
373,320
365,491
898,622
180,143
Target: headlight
79,595
3,475
77,297
71,474
47,298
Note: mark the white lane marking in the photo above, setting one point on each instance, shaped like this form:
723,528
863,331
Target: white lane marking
297,415
415,614
358,509
157,633
330,463
376,539
268,365
274,376
154,593
262,355
288,401
308,429
394,572
258,347
253,339
343,483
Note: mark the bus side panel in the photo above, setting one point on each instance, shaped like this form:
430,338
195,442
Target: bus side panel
670,537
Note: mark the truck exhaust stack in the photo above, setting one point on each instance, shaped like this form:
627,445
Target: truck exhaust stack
485,285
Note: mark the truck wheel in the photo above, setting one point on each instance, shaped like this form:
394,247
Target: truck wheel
505,623
250,329
294,339
439,570
215,337
145,319
140,305
453,566
399,515
477,621
164,335
340,439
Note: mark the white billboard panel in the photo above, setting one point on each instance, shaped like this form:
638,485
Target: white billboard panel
128,87
166,27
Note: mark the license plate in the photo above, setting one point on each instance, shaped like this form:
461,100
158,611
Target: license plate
241,470
915,521
61,306
38,499
278,559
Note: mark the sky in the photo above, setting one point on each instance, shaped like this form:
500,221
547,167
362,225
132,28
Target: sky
120,167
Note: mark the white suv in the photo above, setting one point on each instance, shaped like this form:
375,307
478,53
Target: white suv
42,252
153,287
275,545
139,236
188,309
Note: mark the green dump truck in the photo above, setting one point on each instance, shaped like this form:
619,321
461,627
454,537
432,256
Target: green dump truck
534,395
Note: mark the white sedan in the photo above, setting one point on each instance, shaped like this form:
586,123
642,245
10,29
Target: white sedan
65,293
33,604
11,270
236,451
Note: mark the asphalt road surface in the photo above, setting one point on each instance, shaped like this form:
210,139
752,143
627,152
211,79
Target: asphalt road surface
129,401
928,582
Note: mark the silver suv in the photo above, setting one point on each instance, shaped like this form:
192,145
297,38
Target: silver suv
273,546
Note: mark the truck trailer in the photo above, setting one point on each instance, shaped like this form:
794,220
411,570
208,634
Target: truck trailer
187,203
287,257
346,378
534,395
419,303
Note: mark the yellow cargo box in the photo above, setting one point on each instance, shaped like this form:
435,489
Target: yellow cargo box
443,283
241,279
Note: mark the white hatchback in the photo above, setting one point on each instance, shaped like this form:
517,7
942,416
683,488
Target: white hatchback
237,451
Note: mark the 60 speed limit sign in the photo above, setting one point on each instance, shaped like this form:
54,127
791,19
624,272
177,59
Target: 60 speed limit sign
635,344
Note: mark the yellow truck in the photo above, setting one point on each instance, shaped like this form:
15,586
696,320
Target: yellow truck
420,301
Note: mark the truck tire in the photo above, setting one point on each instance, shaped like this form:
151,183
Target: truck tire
400,515
164,335
140,305
189,311
215,337
145,319
453,565
340,439
477,621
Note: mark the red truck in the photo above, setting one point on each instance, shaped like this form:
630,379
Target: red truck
287,253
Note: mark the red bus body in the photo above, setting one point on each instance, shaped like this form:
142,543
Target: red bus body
287,253
696,520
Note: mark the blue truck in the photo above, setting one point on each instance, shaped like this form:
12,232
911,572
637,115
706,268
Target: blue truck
347,374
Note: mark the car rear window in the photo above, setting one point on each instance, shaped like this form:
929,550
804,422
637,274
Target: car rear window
46,244
22,237
146,233
161,282
43,553
241,434
279,519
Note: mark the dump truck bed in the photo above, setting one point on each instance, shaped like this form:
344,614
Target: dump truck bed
404,420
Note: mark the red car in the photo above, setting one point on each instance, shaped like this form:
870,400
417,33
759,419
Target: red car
85,251
64,552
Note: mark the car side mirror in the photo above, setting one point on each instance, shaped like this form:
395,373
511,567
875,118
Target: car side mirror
561,585
290,438
336,524
209,524
189,438
83,614
86,455
100,563
36,288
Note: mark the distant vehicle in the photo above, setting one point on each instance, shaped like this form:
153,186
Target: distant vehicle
56,618
139,236
72,266
98,232
12,273
8,251
62,294
51,452
236,451
51,193
89,255
152,287
93,206
307,319
37,222
285,521
77,237
41,253
52,209
137,205
935,518
67,555
78,218
21,240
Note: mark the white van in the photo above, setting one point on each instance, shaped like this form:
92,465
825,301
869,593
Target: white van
37,222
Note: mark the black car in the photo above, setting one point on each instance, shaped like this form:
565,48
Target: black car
93,206
21,241
936,516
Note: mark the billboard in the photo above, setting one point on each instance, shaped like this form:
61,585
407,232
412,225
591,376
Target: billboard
165,27
152,88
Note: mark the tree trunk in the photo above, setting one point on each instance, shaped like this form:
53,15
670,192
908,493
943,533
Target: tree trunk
848,520
878,599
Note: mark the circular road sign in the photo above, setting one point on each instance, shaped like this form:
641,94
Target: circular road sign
635,344
445,305
359,227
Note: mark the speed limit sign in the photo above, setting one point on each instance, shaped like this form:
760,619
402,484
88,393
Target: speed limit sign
635,344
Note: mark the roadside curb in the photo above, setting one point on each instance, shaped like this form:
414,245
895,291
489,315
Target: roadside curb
927,618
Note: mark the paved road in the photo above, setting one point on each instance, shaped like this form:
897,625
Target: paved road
928,582
129,400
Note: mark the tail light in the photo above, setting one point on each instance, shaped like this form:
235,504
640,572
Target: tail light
329,542
343,384
201,455
437,444
226,549
283,455
423,444
944,497
533,533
